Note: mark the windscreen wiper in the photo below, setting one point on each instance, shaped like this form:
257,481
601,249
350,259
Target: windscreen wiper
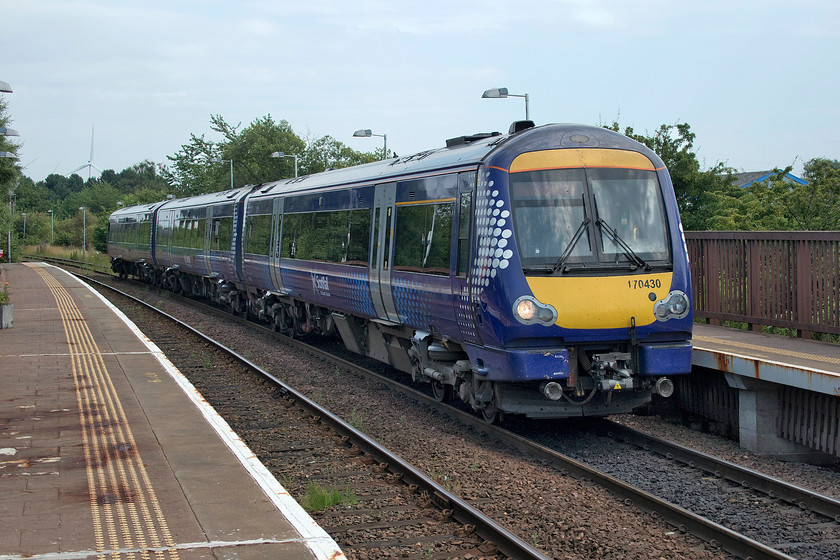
613,235
568,252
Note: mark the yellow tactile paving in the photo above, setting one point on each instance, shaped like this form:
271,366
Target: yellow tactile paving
765,350
128,520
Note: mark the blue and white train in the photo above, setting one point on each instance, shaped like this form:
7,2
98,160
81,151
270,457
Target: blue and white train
541,272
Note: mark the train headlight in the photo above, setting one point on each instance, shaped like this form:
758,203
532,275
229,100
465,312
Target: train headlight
529,311
526,309
675,306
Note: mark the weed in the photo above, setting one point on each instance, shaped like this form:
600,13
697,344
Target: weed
356,420
319,498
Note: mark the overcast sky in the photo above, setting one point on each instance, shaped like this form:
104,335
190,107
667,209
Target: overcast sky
757,81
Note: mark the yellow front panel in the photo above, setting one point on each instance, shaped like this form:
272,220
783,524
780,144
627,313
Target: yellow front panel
608,302
580,157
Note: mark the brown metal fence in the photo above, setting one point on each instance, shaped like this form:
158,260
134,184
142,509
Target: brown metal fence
783,279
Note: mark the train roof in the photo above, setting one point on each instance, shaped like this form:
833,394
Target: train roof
463,151
460,152
125,214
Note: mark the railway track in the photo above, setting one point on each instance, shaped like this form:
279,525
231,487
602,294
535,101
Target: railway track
718,535
386,507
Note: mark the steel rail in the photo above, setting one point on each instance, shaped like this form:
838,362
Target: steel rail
506,542
748,478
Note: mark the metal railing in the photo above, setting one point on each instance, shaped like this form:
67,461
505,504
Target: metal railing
788,279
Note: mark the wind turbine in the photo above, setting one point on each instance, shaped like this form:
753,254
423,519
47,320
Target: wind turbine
89,164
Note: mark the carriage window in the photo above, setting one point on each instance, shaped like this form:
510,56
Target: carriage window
340,236
257,234
423,237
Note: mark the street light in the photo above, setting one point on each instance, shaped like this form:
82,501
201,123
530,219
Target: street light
8,131
366,133
220,160
84,233
502,93
5,87
282,154
24,225
52,229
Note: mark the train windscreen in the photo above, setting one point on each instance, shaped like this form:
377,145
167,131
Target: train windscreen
596,218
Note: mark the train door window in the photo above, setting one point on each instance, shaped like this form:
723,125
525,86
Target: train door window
374,250
388,226
466,183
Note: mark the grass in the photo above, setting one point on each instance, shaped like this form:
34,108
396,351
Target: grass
356,420
320,498
97,259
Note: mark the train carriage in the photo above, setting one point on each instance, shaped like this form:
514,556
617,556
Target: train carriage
542,272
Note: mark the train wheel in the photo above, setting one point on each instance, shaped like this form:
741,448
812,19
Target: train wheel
440,391
492,415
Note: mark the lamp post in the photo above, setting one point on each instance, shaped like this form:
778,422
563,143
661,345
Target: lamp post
84,233
283,154
502,93
52,229
220,160
24,225
366,133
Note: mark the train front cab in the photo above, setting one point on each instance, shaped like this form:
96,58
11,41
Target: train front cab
580,281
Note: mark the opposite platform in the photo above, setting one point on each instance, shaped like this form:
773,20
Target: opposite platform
105,447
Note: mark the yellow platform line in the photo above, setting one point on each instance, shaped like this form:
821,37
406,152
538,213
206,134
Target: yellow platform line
766,350
126,512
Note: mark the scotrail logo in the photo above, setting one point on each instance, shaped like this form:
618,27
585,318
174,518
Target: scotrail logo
321,285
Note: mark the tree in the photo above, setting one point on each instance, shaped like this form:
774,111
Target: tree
781,204
192,172
699,193
9,175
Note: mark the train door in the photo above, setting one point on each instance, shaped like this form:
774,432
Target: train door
465,308
379,270
274,249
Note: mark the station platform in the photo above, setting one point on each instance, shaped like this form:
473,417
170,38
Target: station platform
106,449
794,362
787,389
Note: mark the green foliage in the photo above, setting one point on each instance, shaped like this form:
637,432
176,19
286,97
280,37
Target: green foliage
191,171
100,237
780,204
701,195
319,498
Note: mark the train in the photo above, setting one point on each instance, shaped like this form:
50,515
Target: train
541,272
